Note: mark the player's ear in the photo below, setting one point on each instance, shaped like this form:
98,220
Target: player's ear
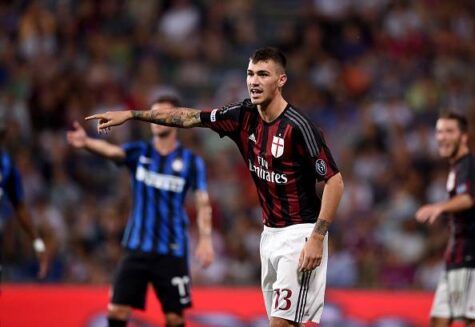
465,138
282,80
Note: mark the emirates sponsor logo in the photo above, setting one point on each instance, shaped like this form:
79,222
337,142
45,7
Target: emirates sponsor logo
261,170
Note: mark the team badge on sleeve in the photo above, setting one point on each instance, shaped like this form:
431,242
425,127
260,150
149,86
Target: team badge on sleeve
461,189
177,165
277,147
321,167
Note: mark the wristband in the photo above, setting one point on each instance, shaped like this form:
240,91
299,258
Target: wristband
39,245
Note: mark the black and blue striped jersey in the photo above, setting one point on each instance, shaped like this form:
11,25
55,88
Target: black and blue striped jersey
158,222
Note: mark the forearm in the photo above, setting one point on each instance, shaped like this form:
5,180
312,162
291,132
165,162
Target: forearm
204,213
332,193
176,117
458,203
25,221
104,149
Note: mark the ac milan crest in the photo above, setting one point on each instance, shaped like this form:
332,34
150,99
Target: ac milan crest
277,147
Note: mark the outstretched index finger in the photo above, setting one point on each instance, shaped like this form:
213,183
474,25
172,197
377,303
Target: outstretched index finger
96,116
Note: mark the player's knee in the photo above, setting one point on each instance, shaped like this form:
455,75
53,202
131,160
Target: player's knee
439,322
121,312
174,320
280,322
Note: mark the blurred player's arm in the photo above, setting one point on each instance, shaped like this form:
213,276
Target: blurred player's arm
430,212
311,255
175,117
14,190
204,251
79,139
38,245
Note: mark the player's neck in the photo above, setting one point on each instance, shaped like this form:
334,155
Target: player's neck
165,145
270,111
462,152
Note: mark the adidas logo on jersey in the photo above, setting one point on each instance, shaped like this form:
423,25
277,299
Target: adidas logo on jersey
252,138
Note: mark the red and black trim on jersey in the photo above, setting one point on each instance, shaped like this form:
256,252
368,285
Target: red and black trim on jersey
285,157
460,251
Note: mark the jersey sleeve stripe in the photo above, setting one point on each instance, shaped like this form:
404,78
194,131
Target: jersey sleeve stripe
306,130
303,133
306,125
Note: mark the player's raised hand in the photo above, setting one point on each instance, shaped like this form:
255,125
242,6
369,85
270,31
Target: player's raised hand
204,251
111,118
43,264
41,252
312,252
77,137
428,213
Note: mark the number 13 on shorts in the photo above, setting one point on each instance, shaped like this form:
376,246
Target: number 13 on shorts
282,299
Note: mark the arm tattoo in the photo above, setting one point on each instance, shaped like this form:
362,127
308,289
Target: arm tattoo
321,227
176,117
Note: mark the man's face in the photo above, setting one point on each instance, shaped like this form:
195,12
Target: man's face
264,79
449,137
159,130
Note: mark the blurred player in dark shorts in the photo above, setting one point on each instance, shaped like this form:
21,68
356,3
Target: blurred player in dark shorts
156,238
11,192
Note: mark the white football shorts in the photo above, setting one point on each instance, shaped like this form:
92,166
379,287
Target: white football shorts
455,295
288,293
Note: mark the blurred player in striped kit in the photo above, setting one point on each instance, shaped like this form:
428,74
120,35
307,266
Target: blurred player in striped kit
156,237
11,191
455,295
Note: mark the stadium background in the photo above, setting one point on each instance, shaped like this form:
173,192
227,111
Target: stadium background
372,73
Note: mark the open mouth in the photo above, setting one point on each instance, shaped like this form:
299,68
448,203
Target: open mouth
255,91
444,147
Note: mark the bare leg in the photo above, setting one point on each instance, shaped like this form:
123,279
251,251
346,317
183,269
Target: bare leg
174,319
440,322
118,312
280,322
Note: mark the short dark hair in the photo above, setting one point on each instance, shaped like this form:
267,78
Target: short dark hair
269,53
462,121
173,99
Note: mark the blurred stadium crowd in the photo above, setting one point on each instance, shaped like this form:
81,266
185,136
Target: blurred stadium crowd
372,73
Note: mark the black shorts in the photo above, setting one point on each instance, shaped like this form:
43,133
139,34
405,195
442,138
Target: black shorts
168,275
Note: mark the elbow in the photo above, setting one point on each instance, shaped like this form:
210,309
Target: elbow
471,202
208,211
337,185
337,181
205,211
